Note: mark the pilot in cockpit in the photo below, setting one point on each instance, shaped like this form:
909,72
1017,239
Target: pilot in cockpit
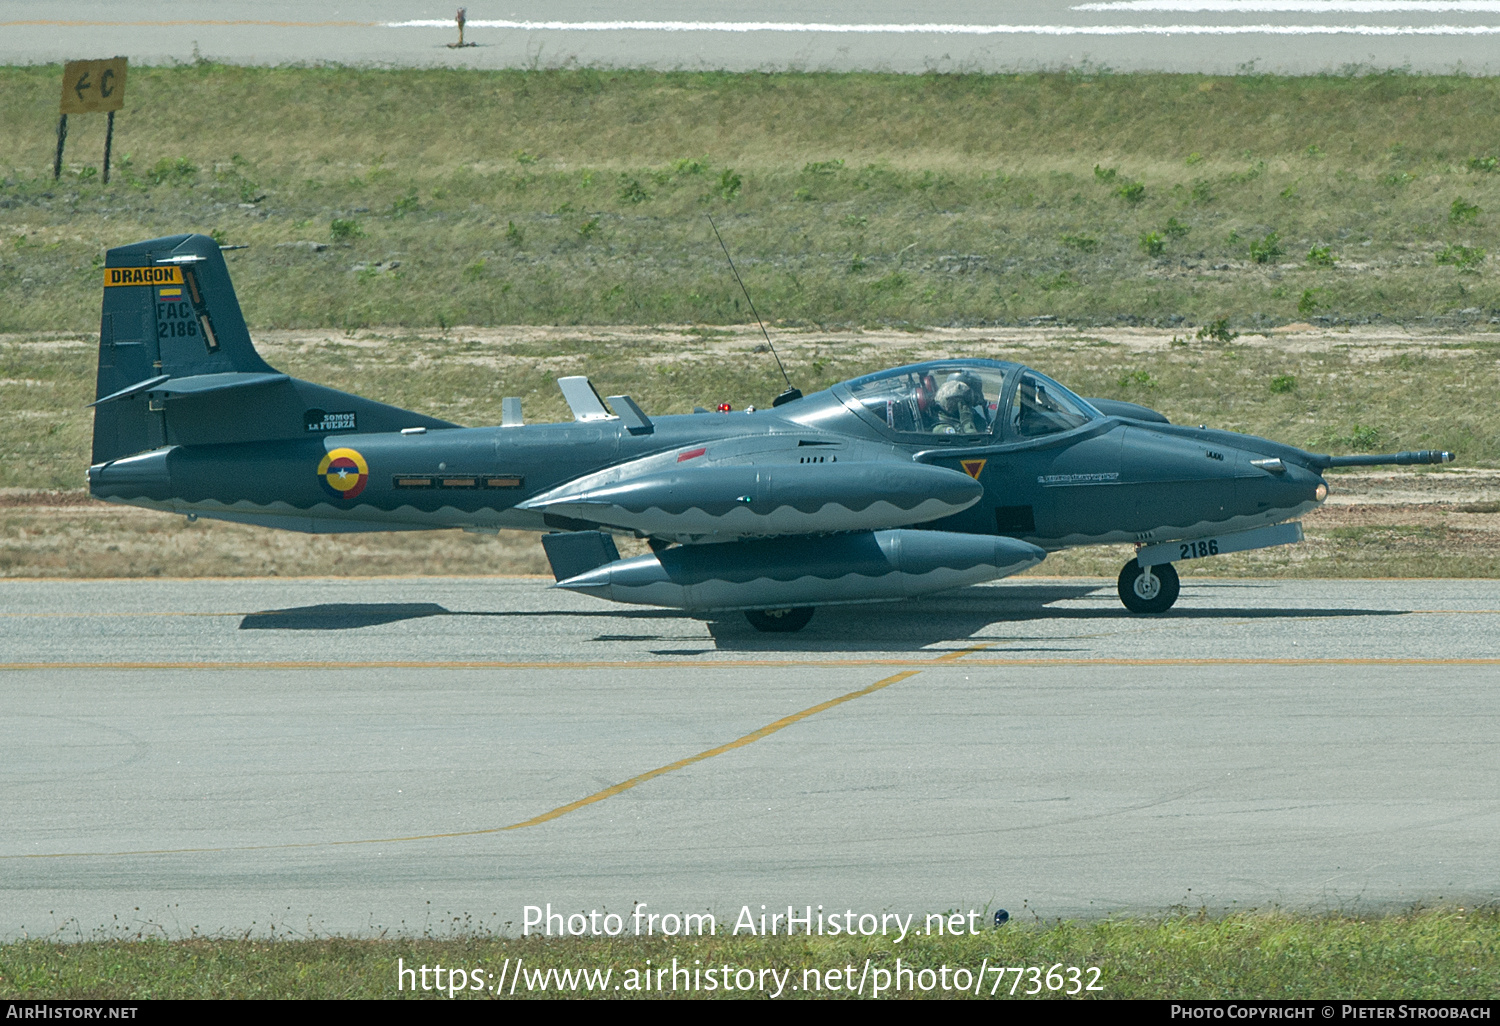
960,406
954,402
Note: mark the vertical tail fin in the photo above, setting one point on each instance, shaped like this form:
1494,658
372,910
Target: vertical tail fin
169,312
177,367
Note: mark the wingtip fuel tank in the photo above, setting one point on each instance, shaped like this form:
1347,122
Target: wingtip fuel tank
774,573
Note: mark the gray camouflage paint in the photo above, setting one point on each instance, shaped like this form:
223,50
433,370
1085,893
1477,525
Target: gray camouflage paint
224,435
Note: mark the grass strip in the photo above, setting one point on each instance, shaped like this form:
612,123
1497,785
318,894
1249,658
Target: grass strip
1447,953
435,196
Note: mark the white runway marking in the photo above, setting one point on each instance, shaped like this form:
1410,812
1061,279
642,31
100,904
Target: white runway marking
963,30
1300,6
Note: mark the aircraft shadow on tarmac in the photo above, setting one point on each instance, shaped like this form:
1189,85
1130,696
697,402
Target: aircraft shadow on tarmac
899,626
343,616
918,623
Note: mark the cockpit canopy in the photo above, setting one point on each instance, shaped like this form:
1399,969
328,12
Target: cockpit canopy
985,400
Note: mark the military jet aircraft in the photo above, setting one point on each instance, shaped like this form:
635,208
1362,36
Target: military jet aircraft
905,482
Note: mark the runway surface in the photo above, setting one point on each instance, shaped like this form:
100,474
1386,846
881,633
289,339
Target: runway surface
417,755
1218,36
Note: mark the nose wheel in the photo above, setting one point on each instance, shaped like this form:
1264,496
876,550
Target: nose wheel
1151,589
779,621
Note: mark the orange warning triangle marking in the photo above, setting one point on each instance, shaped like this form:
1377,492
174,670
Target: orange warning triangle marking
973,467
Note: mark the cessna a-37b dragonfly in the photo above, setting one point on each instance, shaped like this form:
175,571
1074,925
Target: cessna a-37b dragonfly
906,482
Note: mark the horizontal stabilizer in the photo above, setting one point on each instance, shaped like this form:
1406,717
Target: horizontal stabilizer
194,384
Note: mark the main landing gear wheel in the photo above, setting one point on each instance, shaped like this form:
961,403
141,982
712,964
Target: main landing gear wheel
1149,589
780,621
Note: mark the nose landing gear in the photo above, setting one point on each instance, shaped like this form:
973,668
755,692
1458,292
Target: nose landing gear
1151,589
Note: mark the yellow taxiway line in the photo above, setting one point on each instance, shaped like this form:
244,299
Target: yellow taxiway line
561,810
651,774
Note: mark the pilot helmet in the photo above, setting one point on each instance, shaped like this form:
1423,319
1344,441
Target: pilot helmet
953,396
976,385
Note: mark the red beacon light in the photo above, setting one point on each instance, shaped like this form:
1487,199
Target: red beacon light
725,407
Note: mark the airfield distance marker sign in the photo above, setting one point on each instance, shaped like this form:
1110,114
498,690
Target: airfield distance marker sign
90,87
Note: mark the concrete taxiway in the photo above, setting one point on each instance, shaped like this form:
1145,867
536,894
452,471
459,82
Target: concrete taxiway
413,755
1216,36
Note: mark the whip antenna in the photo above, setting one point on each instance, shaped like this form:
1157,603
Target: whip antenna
791,392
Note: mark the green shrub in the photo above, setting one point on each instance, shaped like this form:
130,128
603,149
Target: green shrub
1308,303
1266,248
1319,256
1463,213
1082,243
1105,174
1217,331
1486,165
729,184
589,228
631,190
513,235
1250,174
172,172
1282,384
403,205
1465,258
1152,244
345,230
1131,192
1175,229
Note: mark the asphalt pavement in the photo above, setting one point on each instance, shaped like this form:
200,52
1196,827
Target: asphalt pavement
423,755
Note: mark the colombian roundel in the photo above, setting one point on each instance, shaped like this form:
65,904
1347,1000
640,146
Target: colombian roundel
344,473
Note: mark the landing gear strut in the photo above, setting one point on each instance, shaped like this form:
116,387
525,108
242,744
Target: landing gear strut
780,621
1150,589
